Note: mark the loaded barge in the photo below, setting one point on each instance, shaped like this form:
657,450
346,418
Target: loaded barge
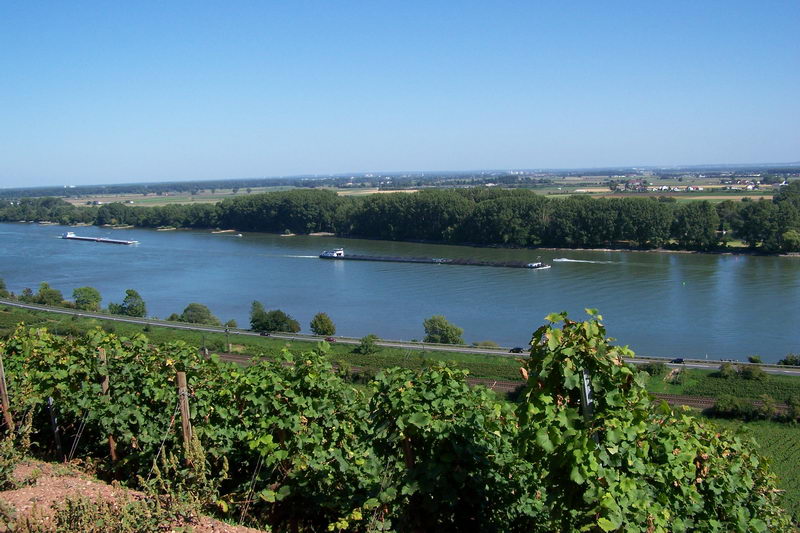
338,253
70,235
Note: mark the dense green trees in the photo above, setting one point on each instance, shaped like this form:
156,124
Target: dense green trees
132,305
695,225
195,313
515,217
269,321
791,359
439,330
3,290
322,324
45,209
46,295
87,298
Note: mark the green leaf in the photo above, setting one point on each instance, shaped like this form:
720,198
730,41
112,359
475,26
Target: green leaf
575,475
607,525
420,419
543,440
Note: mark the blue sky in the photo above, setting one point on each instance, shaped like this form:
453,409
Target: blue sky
111,92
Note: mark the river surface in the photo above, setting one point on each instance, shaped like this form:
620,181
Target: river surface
674,305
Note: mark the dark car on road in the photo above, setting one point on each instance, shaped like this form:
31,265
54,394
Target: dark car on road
677,361
517,349
330,339
264,334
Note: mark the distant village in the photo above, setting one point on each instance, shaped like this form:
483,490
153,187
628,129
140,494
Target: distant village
728,184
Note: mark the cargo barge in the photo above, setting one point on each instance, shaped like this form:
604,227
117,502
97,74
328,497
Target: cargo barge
338,253
71,236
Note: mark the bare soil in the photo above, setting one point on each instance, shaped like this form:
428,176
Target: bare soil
44,485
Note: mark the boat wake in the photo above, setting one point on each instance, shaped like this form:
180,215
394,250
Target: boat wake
303,256
567,260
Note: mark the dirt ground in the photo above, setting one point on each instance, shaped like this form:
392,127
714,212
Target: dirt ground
43,485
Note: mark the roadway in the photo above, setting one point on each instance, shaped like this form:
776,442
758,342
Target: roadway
402,345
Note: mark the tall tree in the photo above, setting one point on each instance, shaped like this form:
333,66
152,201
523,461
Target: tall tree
258,316
195,313
132,305
268,321
48,295
322,324
3,290
87,298
439,330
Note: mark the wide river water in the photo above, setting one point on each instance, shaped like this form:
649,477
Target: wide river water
674,305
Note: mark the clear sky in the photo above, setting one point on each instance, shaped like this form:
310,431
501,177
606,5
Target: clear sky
108,92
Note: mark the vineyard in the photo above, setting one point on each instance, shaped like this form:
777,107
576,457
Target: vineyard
781,443
287,443
781,388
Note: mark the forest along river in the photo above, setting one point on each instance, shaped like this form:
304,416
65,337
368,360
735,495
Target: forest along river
665,304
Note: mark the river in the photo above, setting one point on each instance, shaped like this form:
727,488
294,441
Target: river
664,304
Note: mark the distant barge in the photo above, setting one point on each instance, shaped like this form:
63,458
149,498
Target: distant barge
338,253
70,235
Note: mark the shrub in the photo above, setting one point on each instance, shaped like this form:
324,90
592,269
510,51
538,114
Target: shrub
84,515
654,369
793,411
754,372
727,371
754,359
728,406
768,408
791,359
368,345
485,344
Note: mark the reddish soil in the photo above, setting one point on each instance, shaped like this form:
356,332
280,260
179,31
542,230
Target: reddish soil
44,484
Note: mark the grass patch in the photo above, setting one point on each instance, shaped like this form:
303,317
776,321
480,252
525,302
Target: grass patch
779,387
706,383
659,384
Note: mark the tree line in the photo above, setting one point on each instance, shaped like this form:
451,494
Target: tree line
483,216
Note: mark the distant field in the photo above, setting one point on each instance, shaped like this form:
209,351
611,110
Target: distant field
368,190
150,200
207,197
560,188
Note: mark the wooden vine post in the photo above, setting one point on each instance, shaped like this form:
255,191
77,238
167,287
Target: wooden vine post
183,399
51,408
4,397
112,445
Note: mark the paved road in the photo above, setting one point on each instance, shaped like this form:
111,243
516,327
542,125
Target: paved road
503,352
